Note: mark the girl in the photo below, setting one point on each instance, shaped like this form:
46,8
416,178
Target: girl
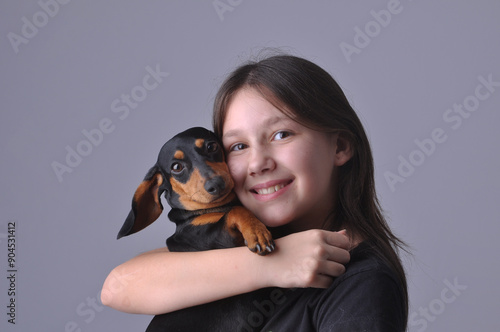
301,161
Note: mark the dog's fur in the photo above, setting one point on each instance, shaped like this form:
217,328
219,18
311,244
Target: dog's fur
192,173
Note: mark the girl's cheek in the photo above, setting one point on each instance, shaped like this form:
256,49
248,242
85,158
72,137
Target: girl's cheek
236,169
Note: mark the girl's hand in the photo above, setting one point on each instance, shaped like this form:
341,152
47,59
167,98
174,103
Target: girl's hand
307,259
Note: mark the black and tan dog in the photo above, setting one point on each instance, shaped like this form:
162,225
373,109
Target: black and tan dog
192,173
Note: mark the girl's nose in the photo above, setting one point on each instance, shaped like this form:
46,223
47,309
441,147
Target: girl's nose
260,162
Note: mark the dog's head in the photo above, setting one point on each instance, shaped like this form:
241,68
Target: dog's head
191,171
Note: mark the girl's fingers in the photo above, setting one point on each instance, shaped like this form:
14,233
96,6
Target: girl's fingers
322,281
325,275
337,239
331,269
338,255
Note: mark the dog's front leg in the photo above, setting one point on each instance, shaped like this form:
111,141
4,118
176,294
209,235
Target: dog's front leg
255,234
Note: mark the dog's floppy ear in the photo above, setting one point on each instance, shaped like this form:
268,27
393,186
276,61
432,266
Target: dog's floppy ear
146,204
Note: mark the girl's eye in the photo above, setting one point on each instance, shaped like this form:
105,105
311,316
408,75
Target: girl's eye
237,147
281,135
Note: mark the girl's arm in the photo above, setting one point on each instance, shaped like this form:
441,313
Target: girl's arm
160,281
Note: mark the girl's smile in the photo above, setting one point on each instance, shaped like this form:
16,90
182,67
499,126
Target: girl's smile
270,190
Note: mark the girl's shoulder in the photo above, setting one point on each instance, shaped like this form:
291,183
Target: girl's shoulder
366,260
368,296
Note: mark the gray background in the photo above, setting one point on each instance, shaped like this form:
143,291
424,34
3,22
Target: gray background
68,75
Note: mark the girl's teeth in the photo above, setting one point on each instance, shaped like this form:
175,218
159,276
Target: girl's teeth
270,190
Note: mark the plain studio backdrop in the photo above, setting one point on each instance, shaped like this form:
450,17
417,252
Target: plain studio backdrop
91,90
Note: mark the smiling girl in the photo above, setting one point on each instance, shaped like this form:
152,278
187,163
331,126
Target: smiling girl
301,162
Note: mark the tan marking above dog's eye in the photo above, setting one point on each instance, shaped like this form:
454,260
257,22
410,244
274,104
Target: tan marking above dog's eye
179,154
199,142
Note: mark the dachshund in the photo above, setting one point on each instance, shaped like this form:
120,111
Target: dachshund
192,174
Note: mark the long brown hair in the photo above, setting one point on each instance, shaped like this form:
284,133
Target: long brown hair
309,95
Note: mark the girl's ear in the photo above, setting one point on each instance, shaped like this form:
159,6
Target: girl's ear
343,149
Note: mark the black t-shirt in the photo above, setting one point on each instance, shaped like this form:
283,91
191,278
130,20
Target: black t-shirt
367,297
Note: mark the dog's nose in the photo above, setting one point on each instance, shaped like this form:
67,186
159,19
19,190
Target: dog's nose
215,186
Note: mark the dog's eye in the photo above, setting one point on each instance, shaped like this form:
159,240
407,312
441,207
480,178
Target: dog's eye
176,168
212,147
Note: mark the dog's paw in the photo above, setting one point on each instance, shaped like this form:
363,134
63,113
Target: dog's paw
255,234
259,240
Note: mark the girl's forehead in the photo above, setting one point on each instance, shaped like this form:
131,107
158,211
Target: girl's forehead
249,108
251,102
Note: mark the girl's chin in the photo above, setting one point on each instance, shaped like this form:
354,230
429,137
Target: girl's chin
281,226
273,221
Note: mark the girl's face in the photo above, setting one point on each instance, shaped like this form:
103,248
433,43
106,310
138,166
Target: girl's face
283,171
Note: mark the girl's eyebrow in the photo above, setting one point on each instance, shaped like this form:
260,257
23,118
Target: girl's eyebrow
230,134
267,123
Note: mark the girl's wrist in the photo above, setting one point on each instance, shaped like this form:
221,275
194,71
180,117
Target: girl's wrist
257,269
